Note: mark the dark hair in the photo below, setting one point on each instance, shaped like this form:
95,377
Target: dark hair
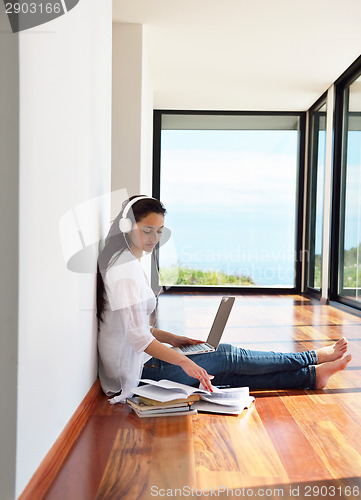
116,241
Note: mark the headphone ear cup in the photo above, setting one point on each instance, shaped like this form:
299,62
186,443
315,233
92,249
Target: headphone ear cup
125,225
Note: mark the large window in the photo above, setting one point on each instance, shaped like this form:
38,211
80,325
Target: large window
349,276
315,195
230,186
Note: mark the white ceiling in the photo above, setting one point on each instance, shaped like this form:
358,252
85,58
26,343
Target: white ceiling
245,55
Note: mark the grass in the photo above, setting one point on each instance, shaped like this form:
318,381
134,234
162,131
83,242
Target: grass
188,276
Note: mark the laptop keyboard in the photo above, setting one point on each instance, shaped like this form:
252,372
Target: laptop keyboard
195,348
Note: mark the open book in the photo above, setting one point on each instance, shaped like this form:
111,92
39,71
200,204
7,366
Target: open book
230,401
226,400
166,390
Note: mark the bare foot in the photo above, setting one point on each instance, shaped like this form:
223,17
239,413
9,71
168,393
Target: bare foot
326,370
332,352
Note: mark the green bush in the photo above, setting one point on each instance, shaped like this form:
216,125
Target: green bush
186,276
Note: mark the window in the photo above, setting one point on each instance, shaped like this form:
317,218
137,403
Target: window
230,186
315,194
349,265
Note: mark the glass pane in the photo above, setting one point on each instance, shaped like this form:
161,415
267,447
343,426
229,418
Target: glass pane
230,196
316,188
350,250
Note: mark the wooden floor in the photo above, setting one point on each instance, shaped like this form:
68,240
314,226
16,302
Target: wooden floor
304,444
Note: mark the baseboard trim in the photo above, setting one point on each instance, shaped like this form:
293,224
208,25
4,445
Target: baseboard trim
49,467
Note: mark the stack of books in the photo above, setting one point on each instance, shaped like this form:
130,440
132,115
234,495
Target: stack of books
168,398
164,398
145,407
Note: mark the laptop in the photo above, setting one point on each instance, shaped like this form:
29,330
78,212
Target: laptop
215,333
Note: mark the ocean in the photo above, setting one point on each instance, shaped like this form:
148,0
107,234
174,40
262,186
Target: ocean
262,249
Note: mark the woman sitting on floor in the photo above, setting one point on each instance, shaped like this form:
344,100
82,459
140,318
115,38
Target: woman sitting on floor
129,349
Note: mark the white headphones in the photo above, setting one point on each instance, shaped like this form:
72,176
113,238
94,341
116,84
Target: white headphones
126,224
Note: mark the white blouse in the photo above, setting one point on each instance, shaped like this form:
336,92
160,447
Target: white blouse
124,333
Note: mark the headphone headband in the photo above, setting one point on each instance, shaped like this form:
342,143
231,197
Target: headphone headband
132,202
125,224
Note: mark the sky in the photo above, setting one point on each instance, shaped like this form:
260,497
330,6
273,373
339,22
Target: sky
231,199
231,194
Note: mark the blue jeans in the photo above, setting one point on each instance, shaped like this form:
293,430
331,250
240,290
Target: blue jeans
238,367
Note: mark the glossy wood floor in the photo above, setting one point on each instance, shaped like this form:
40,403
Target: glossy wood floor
304,444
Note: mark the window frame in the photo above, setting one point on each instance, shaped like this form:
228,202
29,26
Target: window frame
157,124
342,86
311,187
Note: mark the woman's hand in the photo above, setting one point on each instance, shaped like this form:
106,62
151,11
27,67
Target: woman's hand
178,341
196,371
173,340
160,351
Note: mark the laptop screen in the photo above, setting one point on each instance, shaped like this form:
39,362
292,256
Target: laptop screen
220,320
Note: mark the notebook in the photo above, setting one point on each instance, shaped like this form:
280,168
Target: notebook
215,333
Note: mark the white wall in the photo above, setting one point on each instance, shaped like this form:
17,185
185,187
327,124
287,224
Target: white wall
9,177
126,108
132,112
65,123
146,165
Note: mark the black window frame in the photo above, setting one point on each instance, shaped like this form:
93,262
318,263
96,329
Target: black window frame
339,178
299,253
311,187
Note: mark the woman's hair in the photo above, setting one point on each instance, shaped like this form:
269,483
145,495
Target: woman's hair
116,241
